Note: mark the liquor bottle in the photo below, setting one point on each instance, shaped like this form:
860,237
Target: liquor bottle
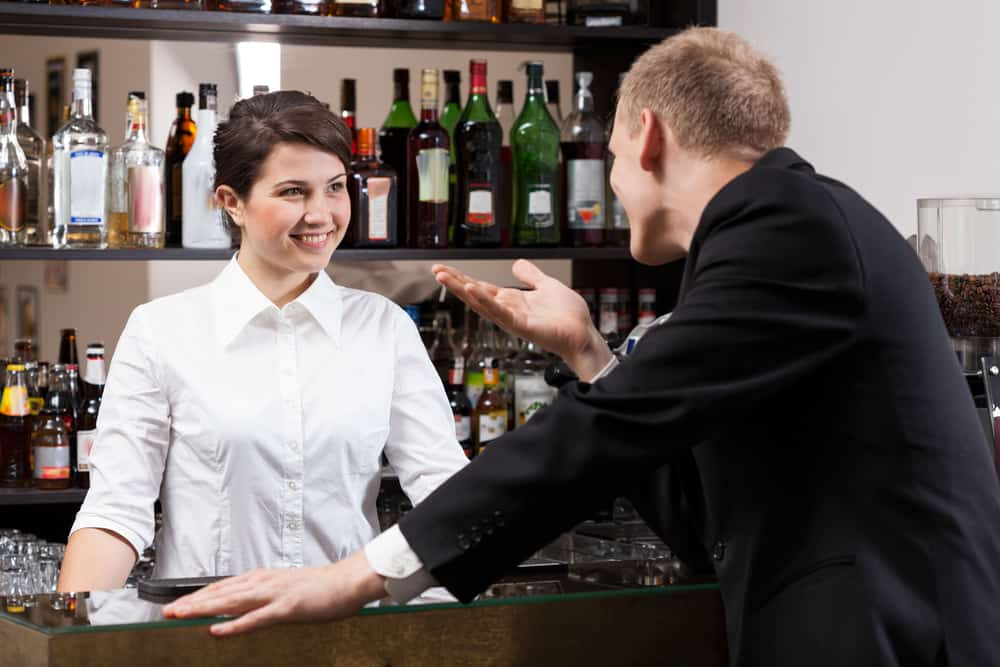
461,408
442,349
349,109
35,154
607,316
475,10
531,392
555,12
80,154
485,349
489,418
420,9
525,11
67,347
428,153
552,100
179,141
137,188
314,7
43,379
465,345
505,197
478,147
15,430
362,8
450,114
35,399
93,390
393,138
584,152
251,6
14,179
202,217
373,191
50,452
618,229
534,144
603,13
62,403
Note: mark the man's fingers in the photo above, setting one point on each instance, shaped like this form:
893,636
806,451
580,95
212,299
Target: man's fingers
228,600
255,620
528,273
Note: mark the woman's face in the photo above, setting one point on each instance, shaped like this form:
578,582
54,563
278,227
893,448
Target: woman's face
297,211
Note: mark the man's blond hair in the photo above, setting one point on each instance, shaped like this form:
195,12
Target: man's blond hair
717,94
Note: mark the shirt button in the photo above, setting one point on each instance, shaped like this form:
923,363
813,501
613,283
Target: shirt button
463,542
293,525
719,550
293,485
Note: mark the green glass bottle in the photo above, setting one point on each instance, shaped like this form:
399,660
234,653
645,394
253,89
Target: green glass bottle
478,144
450,114
534,142
393,136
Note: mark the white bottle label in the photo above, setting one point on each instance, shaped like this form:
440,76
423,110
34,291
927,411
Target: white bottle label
145,200
531,394
540,207
378,208
51,462
432,174
84,443
585,188
480,208
463,428
492,426
87,171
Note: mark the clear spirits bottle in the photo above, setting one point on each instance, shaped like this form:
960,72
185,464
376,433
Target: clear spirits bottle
202,218
35,153
81,174
584,153
13,169
137,183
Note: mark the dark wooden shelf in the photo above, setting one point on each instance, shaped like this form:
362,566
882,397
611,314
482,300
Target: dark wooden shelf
167,24
345,255
11,497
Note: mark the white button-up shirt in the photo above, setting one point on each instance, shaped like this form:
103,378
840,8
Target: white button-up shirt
261,429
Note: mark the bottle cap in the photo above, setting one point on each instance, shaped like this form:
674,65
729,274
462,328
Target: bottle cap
80,75
349,95
185,100
452,76
401,75
366,141
137,94
584,79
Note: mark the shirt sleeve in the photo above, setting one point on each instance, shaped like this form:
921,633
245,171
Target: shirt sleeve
608,367
422,446
133,435
390,555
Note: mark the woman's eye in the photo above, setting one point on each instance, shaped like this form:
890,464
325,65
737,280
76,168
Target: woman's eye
336,187
291,192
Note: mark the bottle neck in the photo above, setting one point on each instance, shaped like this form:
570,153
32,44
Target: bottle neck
453,94
429,115
584,101
95,374
24,113
137,133
8,112
184,113
82,106
401,93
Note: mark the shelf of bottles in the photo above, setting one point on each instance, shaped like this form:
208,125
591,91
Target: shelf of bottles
411,23
460,182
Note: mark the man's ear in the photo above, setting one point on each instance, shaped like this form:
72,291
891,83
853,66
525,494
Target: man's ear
230,201
652,141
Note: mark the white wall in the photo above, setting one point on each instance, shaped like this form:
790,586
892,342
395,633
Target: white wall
897,98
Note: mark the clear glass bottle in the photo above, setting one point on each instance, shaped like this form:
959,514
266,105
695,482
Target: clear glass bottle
584,158
13,170
36,154
81,174
485,349
531,392
202,218
534,145
137,182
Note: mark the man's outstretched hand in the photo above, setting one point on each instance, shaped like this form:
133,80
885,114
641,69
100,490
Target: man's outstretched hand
264,597
549,314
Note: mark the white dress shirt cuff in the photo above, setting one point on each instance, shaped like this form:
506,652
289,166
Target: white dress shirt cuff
390,556
608,367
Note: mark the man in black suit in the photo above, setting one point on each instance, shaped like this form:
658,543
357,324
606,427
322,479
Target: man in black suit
805,387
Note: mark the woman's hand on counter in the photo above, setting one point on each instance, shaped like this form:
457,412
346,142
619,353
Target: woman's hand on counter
264,597
549,314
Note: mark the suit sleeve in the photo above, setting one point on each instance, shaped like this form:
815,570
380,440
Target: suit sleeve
774,294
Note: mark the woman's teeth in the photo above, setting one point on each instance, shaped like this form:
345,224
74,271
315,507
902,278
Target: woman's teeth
312,238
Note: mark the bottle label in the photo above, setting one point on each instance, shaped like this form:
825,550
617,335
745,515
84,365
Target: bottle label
15,401
84,443
540,206
490,376
585,193
526,5
463,427
379,188
87,171
51,462
12,210
480,206
491,426
531,394
456,375
145,200
432,172
474,385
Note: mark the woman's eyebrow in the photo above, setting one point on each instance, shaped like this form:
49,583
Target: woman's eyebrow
299,183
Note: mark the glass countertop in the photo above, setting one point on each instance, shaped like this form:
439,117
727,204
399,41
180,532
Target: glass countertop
124,609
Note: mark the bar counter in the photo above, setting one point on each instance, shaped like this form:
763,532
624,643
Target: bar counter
669,625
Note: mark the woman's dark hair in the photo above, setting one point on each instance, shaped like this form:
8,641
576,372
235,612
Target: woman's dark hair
257,124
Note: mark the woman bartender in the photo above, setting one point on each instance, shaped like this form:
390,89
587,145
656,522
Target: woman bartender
257,407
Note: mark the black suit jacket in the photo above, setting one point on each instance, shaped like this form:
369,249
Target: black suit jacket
806,388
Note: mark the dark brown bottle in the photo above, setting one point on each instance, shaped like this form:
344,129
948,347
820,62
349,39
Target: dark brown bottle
93,390
428,158
67,348
15,430
349,110
50,451
393,138
179,142
373,190
489,419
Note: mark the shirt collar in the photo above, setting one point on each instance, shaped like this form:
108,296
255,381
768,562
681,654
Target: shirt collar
239,302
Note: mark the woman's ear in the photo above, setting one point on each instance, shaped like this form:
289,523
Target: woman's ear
231,203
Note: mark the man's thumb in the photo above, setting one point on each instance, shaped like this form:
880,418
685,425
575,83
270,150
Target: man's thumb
528,273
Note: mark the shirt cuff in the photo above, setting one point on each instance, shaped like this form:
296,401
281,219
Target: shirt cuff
390,556
608,367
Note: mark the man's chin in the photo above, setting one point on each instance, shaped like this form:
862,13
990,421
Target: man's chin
649,255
